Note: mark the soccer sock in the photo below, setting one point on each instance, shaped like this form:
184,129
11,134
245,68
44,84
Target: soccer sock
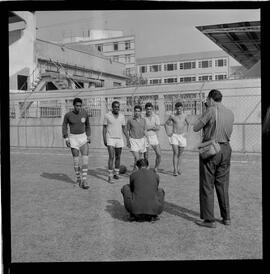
116,171
84,167
76,161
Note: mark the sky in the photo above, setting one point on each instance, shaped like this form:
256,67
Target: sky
157,32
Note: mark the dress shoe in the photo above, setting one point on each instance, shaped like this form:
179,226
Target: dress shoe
226,222
206,224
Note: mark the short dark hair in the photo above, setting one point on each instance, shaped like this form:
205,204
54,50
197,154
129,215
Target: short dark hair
115,102
147,105
178,104
215,94
138,106
76,100
142,163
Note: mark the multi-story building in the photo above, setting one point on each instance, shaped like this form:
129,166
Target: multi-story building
190,67
118,48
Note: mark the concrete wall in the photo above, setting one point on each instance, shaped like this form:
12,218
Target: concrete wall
21,49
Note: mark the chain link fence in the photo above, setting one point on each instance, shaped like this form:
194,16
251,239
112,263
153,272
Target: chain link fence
38,123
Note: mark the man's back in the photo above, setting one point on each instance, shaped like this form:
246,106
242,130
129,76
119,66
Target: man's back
225,119
144,186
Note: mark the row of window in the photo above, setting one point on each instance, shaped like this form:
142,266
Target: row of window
127,58
115,46
186,79
183,65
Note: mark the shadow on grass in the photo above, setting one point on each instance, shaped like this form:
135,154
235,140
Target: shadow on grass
57,176
181,211
117,210
102,173
99,173
166,172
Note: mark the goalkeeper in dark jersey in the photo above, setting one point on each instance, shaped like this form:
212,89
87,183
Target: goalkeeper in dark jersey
78,139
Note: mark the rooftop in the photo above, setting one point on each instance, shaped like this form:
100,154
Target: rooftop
182,57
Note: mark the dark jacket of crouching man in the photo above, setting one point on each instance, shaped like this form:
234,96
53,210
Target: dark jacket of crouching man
143,199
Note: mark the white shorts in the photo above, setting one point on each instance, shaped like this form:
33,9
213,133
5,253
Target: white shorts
77,140
178,140
115,142
152,140
138,145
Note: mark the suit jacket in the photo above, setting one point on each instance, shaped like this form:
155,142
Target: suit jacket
144,186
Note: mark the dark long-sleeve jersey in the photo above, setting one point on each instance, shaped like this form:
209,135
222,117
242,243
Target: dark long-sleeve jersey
78,123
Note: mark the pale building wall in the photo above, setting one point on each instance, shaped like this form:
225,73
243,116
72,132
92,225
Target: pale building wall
22,52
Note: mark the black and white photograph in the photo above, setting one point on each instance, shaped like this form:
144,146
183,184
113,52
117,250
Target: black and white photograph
135,135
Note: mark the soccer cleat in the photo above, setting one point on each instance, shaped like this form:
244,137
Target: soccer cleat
110,180
84,185
116,176
78,182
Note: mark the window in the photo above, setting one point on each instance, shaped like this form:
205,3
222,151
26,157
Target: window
205,64
115,46
50,86
143,69
116,84
116,58
22,82
128,71
188,65
100,48
169,67
170,80
205,77
79,84
155,68
127,58
188,79
221,63
220,76
127,45
155,81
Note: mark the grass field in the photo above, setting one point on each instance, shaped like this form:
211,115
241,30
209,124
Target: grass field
53,221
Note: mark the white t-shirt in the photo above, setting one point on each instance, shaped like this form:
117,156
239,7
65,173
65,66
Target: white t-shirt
114,125
151,121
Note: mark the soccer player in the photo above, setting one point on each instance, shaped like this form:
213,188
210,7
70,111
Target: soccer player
136,129
78,139
177,138
152,127
113,126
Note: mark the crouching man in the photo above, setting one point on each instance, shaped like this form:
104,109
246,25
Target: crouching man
143,199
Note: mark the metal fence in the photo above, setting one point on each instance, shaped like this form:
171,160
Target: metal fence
38,123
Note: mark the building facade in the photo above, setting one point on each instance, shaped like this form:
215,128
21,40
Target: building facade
118,48
191,67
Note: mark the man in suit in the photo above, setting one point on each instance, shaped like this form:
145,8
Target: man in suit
143,199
